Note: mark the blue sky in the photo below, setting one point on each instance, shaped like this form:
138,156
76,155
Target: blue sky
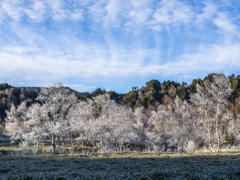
116,44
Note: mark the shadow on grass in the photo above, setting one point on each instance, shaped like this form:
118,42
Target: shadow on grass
122,166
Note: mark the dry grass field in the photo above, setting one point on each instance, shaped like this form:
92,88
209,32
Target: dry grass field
126,165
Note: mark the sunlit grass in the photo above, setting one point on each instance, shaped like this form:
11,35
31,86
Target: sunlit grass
6,146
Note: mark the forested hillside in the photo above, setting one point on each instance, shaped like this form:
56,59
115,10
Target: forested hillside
148,96
155,93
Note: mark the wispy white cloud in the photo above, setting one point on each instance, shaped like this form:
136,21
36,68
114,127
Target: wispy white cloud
2,14
206,60
16,49
48,68
12,9
51,40
59,12
36,11
173,12
140,4
225,23
70,58
140,12
140,16
208,12
39,10
97,11
115,13
77,14
112,8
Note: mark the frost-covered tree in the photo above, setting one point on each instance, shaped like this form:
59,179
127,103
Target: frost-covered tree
210,104
99,128
15,121
159,127
78,118
56,101
102,122
35,116
124,132
17,125
141,127
41,121
159,119
182,123
175,121
141,120
24,124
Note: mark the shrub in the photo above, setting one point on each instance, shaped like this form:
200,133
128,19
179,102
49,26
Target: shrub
26,94
2,96
191,147
16,92
230,139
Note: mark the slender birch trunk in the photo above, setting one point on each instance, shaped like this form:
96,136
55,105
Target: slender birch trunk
53,143
218,136
37,146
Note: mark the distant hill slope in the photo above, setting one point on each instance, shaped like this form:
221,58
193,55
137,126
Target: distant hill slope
149,96
38,89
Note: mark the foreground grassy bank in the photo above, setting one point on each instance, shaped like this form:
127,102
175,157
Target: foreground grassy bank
224,165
